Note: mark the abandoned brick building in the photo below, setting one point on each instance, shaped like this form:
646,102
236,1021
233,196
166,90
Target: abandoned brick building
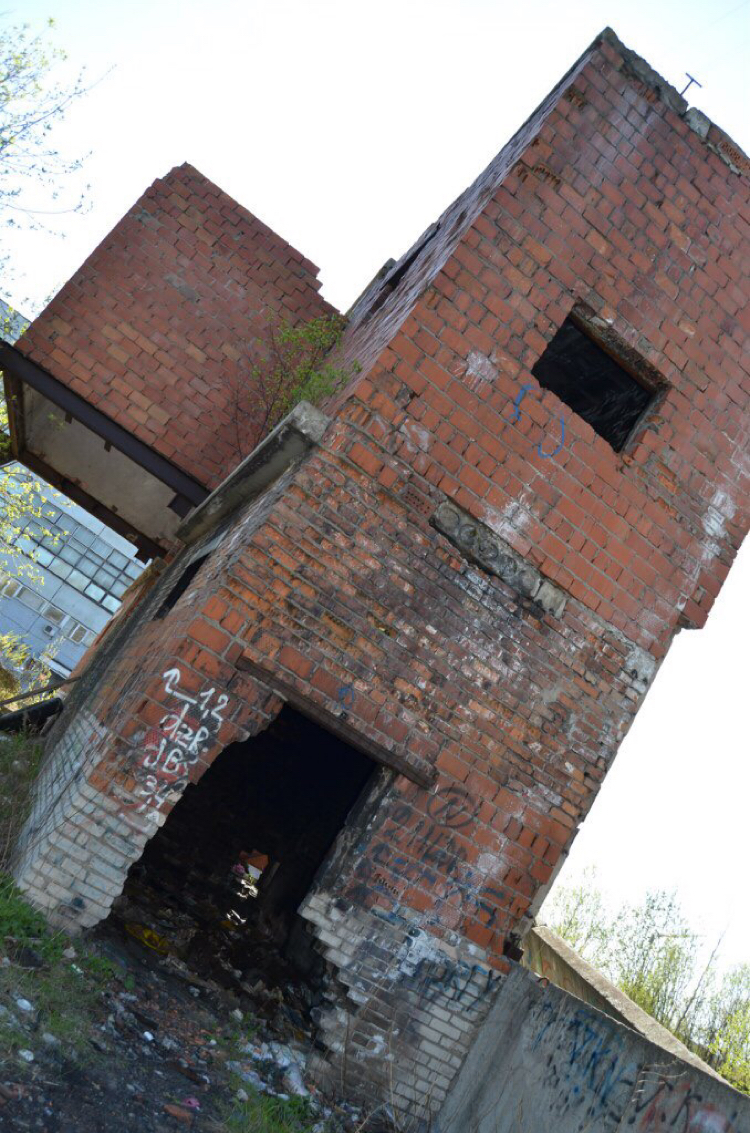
396,647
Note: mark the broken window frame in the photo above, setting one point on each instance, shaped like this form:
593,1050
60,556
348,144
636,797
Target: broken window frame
626,358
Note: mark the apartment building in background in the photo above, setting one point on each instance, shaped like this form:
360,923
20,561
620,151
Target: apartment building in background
67,573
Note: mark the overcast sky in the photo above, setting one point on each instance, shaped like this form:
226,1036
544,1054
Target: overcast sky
348,127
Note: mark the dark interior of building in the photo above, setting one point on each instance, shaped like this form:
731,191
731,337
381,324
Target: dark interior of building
593,384
219,885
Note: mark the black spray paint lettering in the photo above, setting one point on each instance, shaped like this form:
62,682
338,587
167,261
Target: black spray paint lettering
450,807
436,860
456,982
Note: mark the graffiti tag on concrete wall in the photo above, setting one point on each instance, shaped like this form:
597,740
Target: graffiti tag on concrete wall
679,1107
185,733
592,1068
589,1066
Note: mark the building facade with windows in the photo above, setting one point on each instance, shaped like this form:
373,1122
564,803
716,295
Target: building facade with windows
65,575
64,586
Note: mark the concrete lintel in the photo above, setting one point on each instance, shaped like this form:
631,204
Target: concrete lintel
299,432
411,766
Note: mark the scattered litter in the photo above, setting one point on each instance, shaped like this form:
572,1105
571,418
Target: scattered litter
293,1082
24,1005
26,1055
178,1112
148,937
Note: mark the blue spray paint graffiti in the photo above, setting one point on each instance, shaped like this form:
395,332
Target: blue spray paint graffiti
517,416
345,697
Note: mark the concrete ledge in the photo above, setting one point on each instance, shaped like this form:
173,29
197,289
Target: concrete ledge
549,956
290,441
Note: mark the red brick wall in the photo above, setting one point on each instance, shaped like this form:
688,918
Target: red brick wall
618,204
157,326
337,582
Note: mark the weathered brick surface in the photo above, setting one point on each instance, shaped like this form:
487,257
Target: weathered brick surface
159,327
336,580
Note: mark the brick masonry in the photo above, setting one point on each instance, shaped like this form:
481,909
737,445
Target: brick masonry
160,327
341,580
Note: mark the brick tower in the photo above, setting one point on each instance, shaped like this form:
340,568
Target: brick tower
464,573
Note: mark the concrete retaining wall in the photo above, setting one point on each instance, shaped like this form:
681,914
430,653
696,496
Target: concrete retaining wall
544,1062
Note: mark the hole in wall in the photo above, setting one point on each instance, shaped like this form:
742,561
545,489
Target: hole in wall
183,582
593,384
218,887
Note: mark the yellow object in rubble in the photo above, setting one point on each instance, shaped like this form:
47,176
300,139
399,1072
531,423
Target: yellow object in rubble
148,937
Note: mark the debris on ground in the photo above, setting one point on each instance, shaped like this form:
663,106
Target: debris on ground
109,1036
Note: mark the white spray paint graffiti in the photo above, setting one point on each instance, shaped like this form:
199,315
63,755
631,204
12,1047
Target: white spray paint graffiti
184,734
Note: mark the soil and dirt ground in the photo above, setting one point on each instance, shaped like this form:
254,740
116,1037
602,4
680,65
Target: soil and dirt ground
193,1005
108,1036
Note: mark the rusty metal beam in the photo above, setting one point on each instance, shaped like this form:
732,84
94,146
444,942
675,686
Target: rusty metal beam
13,362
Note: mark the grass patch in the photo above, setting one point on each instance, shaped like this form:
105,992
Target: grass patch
66,993
20,760
263,1114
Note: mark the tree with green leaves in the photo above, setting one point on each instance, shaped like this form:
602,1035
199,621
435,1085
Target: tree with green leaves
291,363
727,1032
651,952
35,177
22,497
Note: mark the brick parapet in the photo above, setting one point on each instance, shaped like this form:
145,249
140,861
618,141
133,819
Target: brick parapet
162,324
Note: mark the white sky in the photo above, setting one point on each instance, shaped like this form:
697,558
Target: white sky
348,127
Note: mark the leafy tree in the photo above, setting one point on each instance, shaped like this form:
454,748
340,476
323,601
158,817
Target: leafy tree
34,176
727,1032
578,914
655,956
22,497
293,364
651,952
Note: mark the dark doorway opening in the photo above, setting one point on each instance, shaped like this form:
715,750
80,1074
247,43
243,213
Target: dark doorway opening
218,887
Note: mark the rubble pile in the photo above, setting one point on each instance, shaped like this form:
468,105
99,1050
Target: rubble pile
166,1047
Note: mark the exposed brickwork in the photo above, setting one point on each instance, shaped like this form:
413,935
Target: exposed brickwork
157,326
337,580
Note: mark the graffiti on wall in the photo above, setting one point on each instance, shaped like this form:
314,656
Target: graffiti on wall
456,981
588,1065
430,855
591,1066
185,733
517,417
668,1106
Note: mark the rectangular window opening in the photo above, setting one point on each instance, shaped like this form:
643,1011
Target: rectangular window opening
594,384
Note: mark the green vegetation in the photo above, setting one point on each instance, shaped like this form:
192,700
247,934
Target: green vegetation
652,953
32,102
65,993
264,1114
20,759
22,497
295,364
